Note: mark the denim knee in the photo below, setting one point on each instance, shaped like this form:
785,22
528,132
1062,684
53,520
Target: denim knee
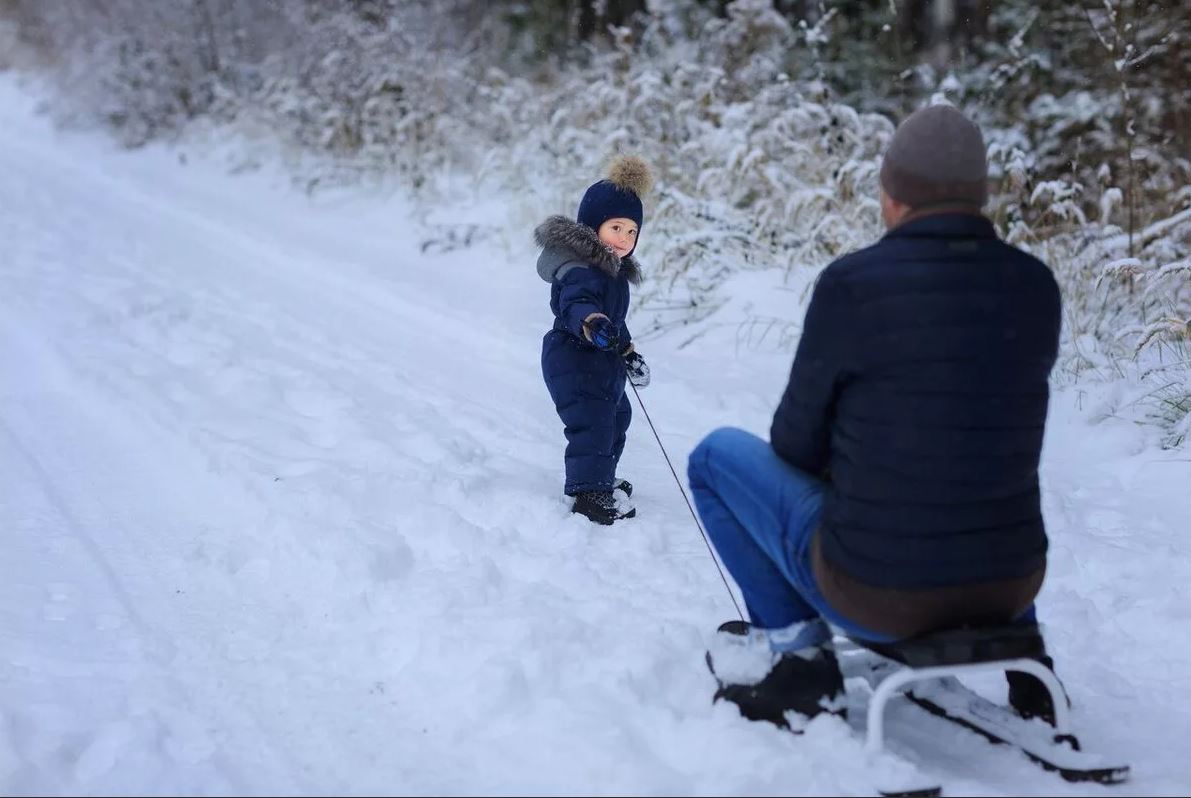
722,438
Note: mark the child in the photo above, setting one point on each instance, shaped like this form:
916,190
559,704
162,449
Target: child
589,352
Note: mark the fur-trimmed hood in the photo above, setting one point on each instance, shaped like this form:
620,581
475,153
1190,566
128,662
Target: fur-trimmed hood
564,241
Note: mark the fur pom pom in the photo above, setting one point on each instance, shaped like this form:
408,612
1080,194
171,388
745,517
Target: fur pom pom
631,173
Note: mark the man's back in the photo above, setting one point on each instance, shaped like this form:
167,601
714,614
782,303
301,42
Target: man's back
920,387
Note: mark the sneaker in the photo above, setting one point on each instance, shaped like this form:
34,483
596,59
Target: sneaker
601,507
768,685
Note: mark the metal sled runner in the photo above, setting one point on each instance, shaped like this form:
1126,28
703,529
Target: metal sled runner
927,670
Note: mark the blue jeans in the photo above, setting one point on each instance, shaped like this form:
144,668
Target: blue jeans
761,514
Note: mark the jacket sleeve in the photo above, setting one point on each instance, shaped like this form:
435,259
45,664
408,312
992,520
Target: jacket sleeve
801,430
581,293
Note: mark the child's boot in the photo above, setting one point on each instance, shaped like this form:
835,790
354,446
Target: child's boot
601,506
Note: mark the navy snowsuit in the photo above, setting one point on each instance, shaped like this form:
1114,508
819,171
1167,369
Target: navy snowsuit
586,384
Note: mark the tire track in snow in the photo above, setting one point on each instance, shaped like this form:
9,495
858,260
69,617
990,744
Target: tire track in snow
41,415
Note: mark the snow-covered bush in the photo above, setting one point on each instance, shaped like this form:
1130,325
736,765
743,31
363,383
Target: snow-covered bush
1128,318
766,130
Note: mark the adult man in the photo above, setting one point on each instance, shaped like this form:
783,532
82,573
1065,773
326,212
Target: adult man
899,493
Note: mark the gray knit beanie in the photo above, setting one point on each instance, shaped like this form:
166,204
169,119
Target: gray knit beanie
937,157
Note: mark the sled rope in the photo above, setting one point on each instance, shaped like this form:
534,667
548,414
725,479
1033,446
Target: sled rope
694,515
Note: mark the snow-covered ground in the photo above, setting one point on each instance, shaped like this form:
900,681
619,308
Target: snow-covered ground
280,513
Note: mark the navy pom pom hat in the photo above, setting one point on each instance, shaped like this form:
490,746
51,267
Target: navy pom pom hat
619,195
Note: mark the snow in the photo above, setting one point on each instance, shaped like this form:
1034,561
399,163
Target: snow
282,514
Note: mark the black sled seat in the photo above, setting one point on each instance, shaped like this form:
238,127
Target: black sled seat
965,646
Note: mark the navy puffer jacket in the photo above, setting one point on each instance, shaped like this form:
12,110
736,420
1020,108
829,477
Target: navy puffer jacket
919,389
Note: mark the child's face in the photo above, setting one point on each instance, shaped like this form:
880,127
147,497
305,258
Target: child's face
620,235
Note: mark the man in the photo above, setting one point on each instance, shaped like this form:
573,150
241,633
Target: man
899,492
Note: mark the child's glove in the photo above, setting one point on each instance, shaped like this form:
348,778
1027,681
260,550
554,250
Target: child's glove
602,333
637,369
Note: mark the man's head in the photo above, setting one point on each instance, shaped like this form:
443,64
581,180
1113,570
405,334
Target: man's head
937,159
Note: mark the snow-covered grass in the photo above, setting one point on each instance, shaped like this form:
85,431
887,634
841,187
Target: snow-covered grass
766,154
281,514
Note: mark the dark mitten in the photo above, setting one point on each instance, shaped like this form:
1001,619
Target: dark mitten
602,333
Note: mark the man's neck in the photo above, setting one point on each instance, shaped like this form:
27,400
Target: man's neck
937,210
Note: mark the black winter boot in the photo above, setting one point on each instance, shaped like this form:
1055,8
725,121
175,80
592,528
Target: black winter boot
807,682
1029,697
625,485
601,507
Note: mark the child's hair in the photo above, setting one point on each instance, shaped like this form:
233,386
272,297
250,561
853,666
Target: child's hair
619,195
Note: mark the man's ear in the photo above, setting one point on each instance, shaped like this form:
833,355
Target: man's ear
892,211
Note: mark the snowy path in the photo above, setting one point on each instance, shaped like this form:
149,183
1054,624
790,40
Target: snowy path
279,498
